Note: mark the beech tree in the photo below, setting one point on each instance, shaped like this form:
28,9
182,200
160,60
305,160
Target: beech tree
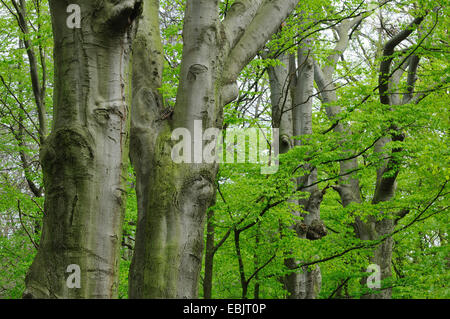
173,198
348,187
291,97
84,157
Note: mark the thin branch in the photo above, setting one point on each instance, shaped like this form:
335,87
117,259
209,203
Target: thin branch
261,268
21,222
379,241
339,287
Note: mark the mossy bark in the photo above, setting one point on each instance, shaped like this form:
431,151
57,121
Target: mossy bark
173,198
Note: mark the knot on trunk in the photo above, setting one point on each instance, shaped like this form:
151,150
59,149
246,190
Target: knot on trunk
315,231
286,141
195,70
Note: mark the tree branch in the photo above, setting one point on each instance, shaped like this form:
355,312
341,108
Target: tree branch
21,222
387,58
238,18
266,22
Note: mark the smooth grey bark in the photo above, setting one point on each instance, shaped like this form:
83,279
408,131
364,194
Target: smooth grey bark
348,187
281,100
291,97
306,284
173,198
84,159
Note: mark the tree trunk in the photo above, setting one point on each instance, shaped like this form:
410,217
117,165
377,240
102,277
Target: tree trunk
292,114
386,184
348,187
173,198
84,158
307,282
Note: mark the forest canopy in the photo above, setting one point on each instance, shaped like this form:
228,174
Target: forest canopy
224,149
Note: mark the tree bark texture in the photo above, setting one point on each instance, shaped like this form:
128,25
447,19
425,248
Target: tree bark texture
291,96
173,198
84,159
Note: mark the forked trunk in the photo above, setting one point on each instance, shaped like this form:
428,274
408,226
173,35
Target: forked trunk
173,197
